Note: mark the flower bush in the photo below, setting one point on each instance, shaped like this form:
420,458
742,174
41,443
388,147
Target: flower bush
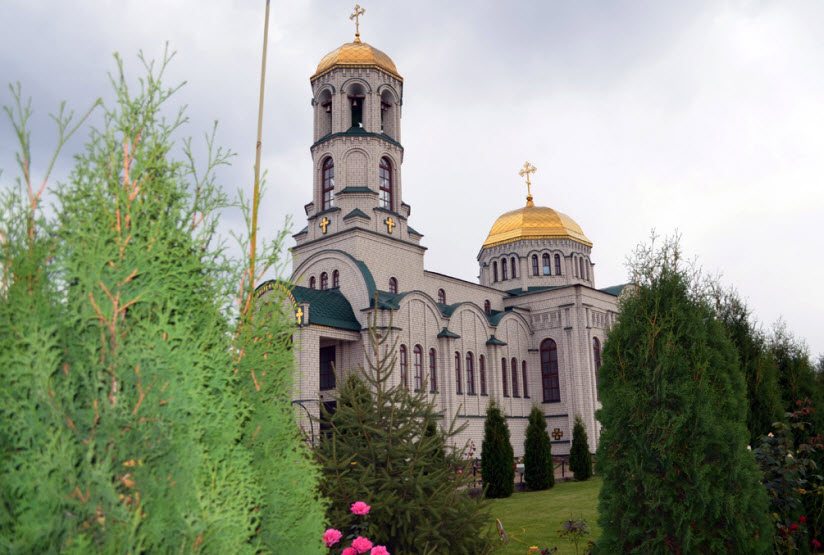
360,544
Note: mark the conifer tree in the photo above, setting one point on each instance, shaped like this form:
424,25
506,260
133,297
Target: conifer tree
760,373
673,451
497,455
539,472
580,459
137,415
386,449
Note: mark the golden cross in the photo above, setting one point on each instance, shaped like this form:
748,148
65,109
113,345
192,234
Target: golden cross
356,16
528,169
299,315
390,224
323,224
557,434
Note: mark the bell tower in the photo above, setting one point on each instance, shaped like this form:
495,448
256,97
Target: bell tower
357,94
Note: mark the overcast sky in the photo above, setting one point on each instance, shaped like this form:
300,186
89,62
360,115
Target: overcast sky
700,117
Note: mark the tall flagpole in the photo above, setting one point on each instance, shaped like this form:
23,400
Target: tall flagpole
256,194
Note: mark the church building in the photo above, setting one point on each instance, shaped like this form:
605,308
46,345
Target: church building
529,332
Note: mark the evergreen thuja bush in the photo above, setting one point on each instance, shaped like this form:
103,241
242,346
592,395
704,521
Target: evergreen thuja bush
143,410
539,471
385,448
497,455
580,459
673,451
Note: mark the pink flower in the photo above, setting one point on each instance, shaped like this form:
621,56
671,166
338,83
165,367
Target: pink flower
379,550
349,551
360,508
361,544
331,537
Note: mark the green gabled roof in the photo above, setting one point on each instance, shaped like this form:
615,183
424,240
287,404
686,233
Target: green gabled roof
386,301
446,333
357,212
356,190
304,230
495,341
410,230
327,308
614,290
448,309
495,316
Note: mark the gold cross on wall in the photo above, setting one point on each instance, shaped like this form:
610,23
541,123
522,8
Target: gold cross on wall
557,434
323,224
299,315
390,224
528,169
356,16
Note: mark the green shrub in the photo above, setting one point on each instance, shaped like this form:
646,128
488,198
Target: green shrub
497,456
673,450
140,411
580,459
539,472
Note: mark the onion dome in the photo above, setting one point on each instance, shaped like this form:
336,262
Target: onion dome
534,222
356,54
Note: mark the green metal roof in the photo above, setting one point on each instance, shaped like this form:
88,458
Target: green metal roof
538,289
356,190
614,290
495,341
327,308
357,212
446,333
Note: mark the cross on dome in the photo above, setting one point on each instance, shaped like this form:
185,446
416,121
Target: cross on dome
528,169
356,16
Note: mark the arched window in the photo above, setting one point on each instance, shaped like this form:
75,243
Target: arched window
596,357
503,270
503,377
327,190
586,267
336,279
514,377
312,282
581,263
482,373
523,375
574,267
385,180
494,271
404,360
545,259
418,354
324,281
534,264
433,371
487,307
458,389
441,296
470,374
557,264
549,371
404,367
514,266
393,285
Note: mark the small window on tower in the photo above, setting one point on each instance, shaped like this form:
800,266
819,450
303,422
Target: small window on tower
487,307
545,259
327,191
494,271
324,281
312,282
336,279
535,265
503,270
557,265
441,296
514,271
393,285
356,102
385,182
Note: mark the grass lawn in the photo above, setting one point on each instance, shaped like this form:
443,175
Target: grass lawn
534,518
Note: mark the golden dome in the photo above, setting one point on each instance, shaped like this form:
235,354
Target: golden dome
356,54
534,222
